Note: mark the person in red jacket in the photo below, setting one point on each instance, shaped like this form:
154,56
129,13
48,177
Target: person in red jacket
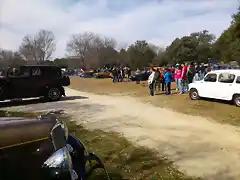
183,79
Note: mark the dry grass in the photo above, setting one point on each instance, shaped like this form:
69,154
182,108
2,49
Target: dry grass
125,161
219,111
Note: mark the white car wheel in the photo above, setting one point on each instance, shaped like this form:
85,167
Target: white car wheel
236,100
193,94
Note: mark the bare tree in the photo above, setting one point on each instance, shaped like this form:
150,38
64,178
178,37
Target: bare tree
160,50
28,48
46,44
38,47
6,55
88,45
79,44
154,47
122,46
109,42
10,58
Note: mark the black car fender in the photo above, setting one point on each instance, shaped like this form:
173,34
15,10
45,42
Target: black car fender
62,90
80,157
77,155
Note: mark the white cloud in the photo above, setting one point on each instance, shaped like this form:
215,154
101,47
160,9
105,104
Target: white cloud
126,20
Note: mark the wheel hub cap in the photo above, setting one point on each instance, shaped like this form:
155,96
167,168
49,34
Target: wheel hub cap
54,93
238,101
194,95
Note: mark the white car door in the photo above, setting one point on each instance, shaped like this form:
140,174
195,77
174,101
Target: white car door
208,86
225,86
236,85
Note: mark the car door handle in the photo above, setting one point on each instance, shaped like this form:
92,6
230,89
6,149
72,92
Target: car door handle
230,84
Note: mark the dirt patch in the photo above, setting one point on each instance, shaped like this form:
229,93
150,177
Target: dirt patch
123,160
199,147
219,111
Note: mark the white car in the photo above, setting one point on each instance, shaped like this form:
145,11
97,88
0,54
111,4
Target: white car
218,84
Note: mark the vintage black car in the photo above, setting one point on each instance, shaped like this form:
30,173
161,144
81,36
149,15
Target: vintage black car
42,149
33,81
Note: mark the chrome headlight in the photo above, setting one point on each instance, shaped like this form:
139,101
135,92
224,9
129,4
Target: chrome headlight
60,159
60,164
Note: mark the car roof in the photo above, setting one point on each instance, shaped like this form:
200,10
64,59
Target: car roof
234,71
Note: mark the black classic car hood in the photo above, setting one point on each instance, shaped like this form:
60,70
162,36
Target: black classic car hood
15,131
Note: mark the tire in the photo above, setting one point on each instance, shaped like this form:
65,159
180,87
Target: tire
193,94
53,94
236,100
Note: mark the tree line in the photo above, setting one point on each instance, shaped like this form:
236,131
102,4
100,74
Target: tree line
91,50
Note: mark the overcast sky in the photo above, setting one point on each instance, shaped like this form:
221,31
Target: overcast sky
157,21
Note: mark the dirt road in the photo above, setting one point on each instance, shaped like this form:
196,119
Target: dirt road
200,147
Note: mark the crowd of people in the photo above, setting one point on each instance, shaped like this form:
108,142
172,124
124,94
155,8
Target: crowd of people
121,74
160,79
182,75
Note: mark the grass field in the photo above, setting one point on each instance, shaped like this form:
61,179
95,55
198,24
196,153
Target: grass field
219,111
122,160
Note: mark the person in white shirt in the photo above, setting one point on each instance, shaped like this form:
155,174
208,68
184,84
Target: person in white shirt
151,81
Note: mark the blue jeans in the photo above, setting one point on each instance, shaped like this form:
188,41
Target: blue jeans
163,85
201,76
177,81
183,86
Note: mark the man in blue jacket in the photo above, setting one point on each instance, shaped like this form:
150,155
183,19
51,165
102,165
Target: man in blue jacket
168,78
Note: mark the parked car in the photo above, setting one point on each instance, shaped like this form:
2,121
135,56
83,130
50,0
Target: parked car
87,74
142,76
218,84
42,149
102,75
33,81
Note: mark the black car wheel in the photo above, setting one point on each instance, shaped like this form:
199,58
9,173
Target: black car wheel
54,94
236,100
193,94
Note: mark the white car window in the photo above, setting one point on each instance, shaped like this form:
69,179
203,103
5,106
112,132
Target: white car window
226,78
211,77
